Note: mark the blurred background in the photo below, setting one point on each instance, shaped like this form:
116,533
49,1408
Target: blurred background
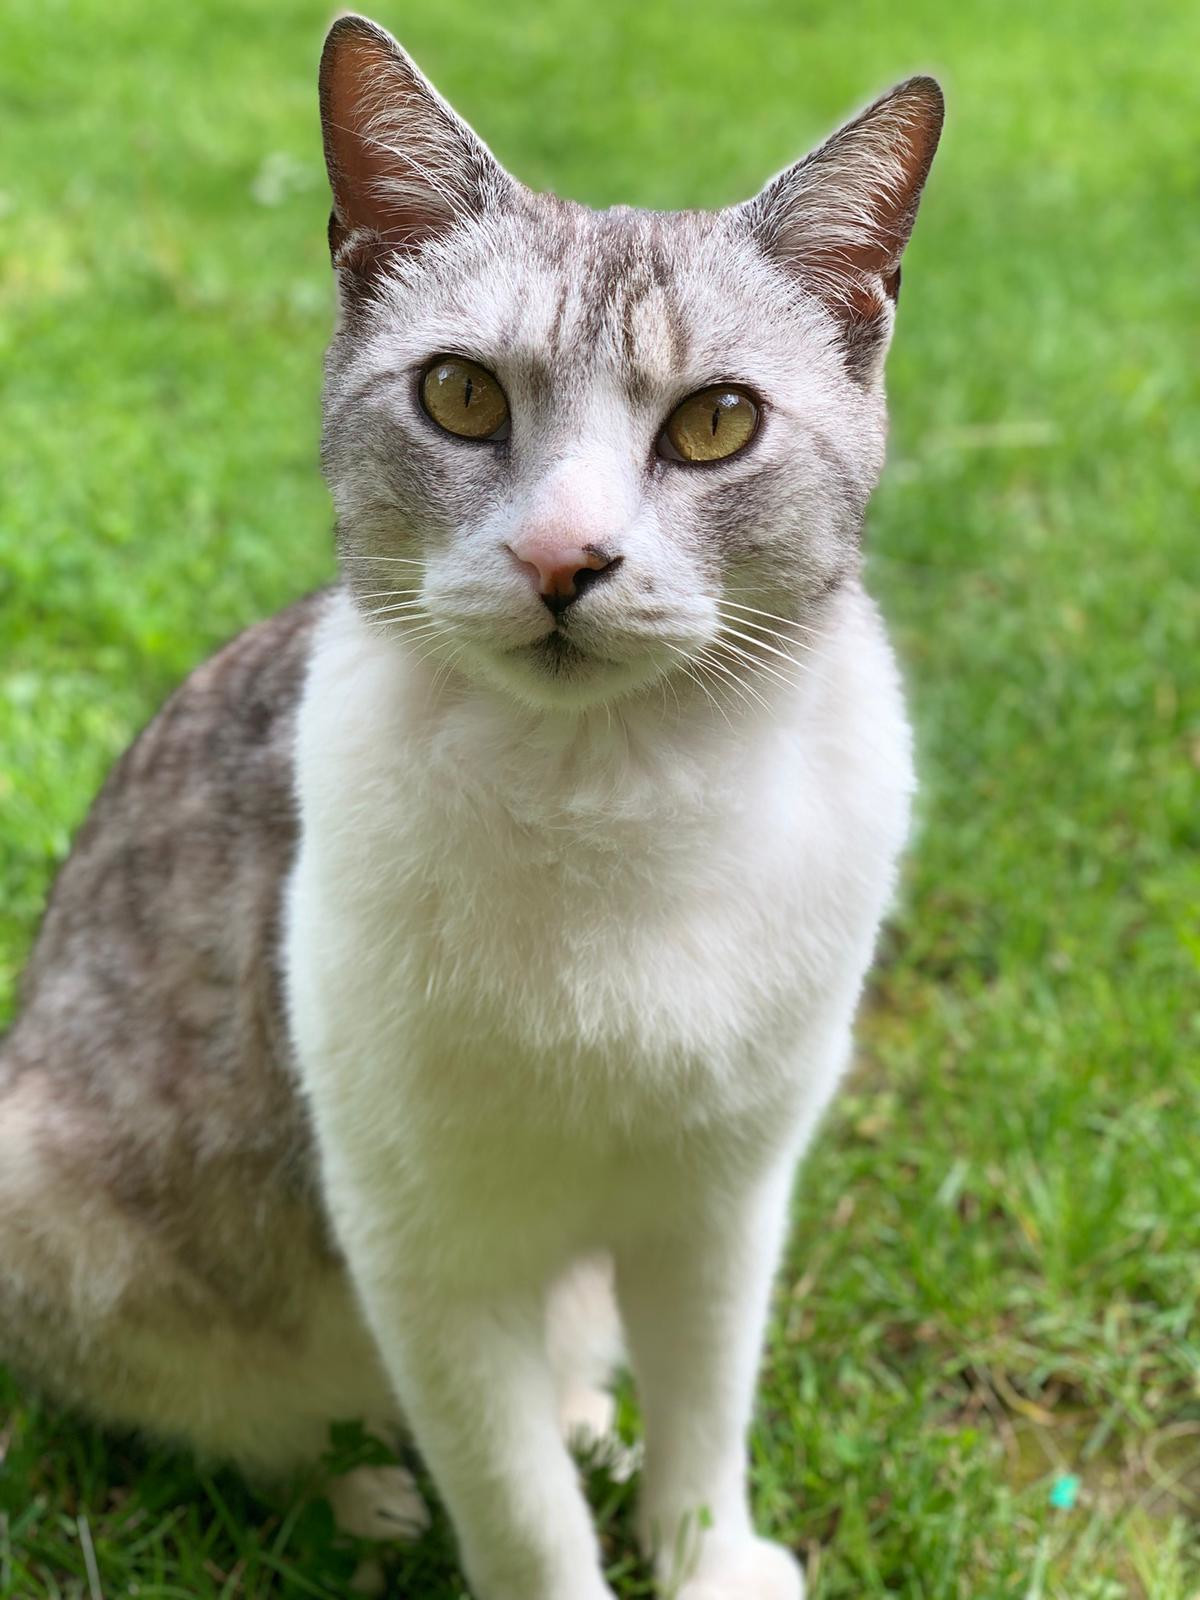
984,1373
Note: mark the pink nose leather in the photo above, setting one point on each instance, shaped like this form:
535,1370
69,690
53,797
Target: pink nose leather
553,563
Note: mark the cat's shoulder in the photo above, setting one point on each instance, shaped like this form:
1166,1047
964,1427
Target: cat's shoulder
258,675
203,796
233,717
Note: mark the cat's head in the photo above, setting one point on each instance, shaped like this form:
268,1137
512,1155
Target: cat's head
577,452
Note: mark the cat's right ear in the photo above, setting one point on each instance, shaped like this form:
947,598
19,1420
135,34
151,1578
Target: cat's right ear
404,168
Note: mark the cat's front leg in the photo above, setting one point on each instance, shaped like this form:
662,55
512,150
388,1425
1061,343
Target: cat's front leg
474,1381
694,1299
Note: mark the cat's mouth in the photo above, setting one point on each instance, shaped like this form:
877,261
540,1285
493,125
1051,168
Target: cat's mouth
557,653
559,670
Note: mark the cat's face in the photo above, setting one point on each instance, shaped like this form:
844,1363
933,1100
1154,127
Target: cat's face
525,487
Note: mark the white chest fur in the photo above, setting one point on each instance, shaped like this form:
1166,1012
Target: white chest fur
507,932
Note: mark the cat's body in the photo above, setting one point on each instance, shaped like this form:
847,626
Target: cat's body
430,969
166,1261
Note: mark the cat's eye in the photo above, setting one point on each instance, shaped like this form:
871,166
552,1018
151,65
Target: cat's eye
709,425
465,399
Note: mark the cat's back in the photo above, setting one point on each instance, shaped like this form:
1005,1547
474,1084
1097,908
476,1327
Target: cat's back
154,976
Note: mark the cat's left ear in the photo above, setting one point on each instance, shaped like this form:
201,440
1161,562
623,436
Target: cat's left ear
404,168
839,220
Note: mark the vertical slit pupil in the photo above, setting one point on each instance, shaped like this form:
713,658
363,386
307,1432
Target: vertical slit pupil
716,417
467,394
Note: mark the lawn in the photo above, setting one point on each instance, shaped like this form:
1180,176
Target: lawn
984,1371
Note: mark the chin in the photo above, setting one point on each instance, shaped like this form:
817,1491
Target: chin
553,674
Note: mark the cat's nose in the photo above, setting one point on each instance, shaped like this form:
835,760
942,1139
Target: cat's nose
559,569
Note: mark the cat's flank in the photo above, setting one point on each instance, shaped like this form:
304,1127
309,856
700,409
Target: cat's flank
445,985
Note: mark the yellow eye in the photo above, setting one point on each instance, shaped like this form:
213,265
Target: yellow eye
465,399
712,424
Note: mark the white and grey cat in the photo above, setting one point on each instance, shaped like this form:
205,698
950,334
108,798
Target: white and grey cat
448,980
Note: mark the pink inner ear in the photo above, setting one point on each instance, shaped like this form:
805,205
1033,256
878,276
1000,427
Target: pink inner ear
855,281
400,164
354,66
841,218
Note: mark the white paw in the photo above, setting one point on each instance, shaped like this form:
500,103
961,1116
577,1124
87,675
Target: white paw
588,1420
585,1415
756,1570
378,1503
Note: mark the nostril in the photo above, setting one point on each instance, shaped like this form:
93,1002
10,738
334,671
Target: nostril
565,586
559,570
589,575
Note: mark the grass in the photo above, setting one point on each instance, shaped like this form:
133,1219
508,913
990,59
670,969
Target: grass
993,1277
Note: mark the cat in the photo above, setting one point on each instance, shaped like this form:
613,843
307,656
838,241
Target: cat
444,986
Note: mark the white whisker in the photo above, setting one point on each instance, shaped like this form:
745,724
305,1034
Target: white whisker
763,666
445,669
725,612
730,684
686,669
759,612
402,627
426,630
669,682
408,561
396,608
763,645
745,691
